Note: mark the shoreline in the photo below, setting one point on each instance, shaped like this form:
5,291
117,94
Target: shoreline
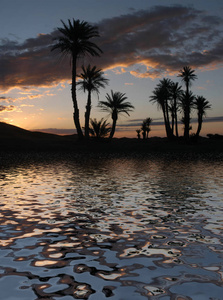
19,141
115,147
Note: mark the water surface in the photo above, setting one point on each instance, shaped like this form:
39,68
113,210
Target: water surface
116,228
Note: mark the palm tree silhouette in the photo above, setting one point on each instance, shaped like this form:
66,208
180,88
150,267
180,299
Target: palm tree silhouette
187,75
186,104
138,131
176,94
75,41
201,105
161,96
92,80
115,104
146,127
100,128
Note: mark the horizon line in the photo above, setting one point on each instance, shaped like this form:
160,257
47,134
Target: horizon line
120,126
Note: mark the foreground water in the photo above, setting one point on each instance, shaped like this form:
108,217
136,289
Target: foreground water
117,228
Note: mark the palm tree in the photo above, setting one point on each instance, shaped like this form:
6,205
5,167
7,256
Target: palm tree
187,75
92,80
186,104
75,42
172,113
176,94
138,131
201,105
100,128
161,96
115,104
146,127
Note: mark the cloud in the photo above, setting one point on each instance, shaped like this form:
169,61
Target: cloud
6,99
157,122
150,42
4,108
35,96
27,105
57,131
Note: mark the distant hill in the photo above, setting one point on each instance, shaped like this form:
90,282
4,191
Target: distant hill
14,137
10,131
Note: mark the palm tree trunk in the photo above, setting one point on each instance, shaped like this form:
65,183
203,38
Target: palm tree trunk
167,122
187,115
74,98
175,116
87,115
200,121
114,118
173,122
187,123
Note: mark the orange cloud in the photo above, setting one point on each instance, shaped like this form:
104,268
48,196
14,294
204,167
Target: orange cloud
35,96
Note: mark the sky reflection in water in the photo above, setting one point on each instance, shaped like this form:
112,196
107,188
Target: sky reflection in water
111,228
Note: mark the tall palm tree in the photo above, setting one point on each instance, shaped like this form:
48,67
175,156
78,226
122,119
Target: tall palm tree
99,129
186,104
161,96
187,75
201,105
176,94
75,42
115,105
92,80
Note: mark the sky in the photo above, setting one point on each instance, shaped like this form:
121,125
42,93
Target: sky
142,42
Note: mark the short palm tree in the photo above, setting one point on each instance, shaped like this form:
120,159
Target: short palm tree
146,127
99,129
138,131
75,41
187,75
201,105
116,104
92,80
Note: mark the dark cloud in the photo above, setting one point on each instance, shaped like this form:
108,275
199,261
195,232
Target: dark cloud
57,131
164,39
157,122
4,108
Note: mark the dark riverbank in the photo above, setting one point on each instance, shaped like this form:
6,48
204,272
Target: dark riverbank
15,139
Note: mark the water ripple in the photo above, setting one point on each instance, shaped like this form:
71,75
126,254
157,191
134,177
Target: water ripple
119,228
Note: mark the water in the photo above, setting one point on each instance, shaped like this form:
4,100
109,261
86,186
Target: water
116,228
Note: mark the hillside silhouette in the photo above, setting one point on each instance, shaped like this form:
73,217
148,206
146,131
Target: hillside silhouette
16,139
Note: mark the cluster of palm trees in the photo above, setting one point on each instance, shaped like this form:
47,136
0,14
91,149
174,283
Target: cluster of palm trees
75,41
145,129
172,99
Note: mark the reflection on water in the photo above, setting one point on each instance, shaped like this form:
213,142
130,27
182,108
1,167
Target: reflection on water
111,228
